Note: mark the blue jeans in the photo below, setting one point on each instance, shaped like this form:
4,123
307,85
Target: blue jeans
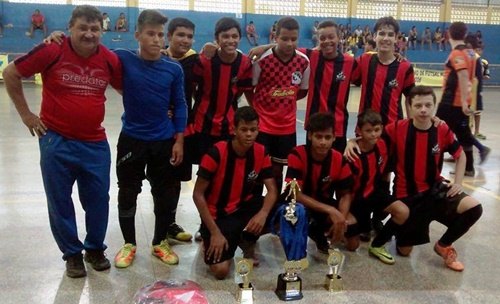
64,161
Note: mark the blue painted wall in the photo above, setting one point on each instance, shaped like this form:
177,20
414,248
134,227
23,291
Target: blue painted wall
57,17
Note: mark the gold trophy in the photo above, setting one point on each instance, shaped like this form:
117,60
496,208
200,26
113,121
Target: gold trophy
244,269
289,284
333,281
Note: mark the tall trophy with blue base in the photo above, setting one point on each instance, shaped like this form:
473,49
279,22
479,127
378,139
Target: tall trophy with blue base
293,235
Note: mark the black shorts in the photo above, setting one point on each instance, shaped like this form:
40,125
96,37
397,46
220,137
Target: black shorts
137,160
231,227
320,223
278,146
361,209
458,123
432,205
200,143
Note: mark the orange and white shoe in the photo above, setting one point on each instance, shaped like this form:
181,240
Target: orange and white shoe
165,253
449,255
125,256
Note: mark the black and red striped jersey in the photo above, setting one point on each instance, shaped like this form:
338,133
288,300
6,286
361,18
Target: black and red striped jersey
232,177
368,170
329,85
319,180
219,87
382,85
419,155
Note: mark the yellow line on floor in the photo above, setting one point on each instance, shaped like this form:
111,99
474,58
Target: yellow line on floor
482,190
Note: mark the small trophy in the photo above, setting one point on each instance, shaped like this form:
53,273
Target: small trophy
333,281
293,236
245,293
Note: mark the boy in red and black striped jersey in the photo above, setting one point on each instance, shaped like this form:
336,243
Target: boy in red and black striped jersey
369,192
281,77
384,78
419,147
322,172
221,81
224,193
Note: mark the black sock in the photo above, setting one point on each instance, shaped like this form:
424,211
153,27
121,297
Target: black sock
461,225
385,235
469,164
127,225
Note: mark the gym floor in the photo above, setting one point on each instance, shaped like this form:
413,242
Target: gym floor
33,271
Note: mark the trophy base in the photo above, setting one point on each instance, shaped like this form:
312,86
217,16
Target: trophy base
289,290
245,294
334,283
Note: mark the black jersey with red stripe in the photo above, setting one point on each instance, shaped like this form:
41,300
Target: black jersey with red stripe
319,179
329,85
382,85
232,177
368,169
219,87
419,155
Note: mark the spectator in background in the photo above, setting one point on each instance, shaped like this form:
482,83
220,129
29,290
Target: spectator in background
106,22
426,38
446,39
314,31
272,33
370,46
358,31
252,35
121,23
479,36
367,31
37,23
439,39
401,45
412,38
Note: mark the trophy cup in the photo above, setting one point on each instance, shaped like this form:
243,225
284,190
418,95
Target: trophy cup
245,294
333,281
293,236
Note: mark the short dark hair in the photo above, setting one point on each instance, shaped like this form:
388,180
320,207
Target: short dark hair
421,90
88,12
472,40
179,22
288,23
150,17
372,43
457,30
225,24
320,121
369,116
246,114
329,23
389,20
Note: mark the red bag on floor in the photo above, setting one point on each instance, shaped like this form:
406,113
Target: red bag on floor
171,292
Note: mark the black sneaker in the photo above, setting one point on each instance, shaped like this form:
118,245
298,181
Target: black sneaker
75,267
483,155
97,260
178,233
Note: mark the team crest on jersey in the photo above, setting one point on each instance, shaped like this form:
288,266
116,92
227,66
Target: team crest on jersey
393,83
380,160
459,60
296,77
340,76
326,179
252,176
436,149
234,80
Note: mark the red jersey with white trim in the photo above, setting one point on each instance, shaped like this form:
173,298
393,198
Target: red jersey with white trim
232,177
319,179
73,87
277,84
382,85
419,155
